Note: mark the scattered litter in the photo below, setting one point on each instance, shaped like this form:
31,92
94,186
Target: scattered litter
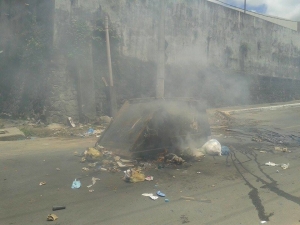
281,149
71,121
54,208
263,221
42,183
91,190
3,131
225,150
198,172
52,217
212,147
159,193
76,184
153,197
94,179
92,154
149,178
263,151
121,165
167,200
171,157
285,166
85,169
133,175
271,164
90,131
82,160
117,158
150,195
277,171
93,164
147,194
57,169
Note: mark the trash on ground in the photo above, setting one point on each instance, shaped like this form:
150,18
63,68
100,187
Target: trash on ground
76,184
271,164
90,131
54,208
94,179
52,217
150,195
133,175
147,194
71,122
149,178
225,150
173,158
198,172
159,193
92,154
121,165
211,147
263,221
91,190
167,200
285,166
85,169
263,151
153,197
93,164
42,183
3,131
57,169
281,149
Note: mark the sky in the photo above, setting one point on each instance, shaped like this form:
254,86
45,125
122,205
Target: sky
288,9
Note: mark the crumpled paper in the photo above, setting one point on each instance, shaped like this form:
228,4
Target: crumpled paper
52,217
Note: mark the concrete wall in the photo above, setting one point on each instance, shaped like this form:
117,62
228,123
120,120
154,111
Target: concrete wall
212,53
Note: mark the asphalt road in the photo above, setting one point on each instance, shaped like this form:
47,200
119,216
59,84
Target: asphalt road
246,192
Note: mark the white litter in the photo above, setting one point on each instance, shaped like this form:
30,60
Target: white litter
147,194
150,195
271,164
153,197
94,179
263,221
285,166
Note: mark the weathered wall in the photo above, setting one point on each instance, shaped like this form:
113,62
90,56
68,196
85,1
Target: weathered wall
211,52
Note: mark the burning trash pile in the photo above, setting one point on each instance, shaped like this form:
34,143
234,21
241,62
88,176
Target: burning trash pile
100,159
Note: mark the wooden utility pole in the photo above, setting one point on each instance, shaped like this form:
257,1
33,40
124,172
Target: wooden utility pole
160,77
112,93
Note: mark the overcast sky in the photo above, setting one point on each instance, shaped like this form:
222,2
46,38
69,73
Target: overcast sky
289,9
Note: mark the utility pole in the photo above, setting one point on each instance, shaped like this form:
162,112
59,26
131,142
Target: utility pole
160,77
112,93
245,6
